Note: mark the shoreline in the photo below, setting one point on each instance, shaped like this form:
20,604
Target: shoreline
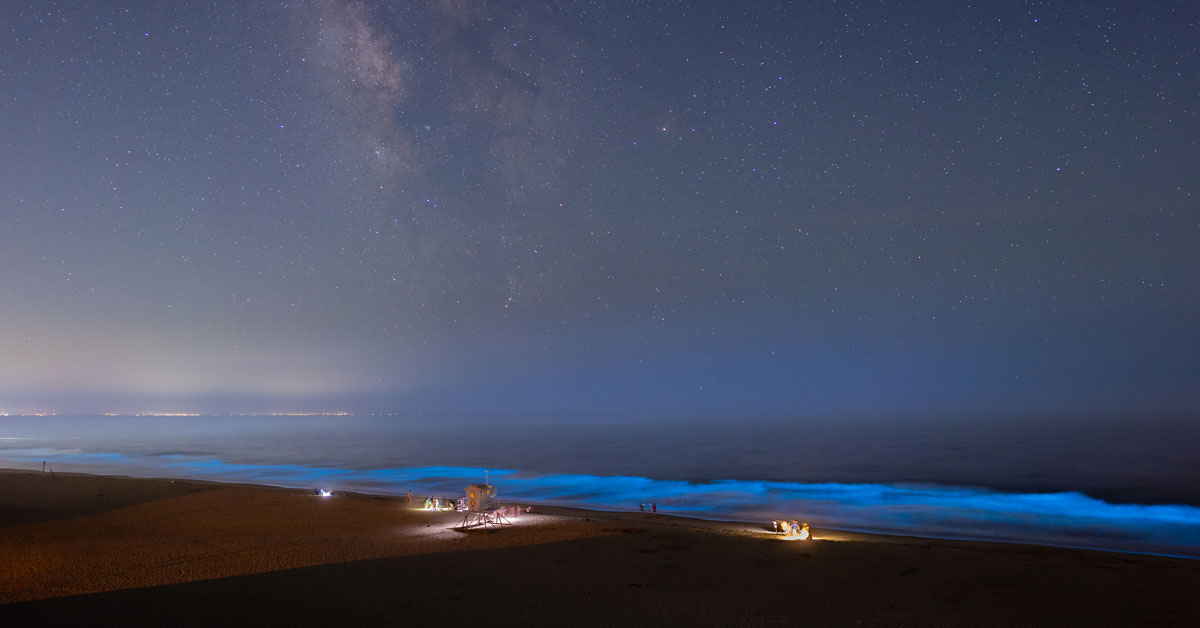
578,512
559,510
841,531
142,551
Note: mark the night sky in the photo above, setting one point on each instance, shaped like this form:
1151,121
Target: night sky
599,209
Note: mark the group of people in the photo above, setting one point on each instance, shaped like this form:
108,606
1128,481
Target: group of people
792,528
653,507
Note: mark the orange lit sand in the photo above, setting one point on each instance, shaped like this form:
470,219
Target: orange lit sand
157,552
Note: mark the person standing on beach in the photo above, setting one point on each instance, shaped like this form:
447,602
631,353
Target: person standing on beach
654,507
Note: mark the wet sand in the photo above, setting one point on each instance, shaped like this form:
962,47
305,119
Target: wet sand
79,549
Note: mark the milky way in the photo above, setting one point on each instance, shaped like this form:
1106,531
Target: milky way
599,207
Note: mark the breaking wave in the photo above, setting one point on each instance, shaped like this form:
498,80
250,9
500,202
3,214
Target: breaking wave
1069,519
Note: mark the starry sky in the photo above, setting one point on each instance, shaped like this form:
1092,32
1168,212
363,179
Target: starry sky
600,208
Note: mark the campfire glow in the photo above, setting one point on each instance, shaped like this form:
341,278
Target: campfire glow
792,529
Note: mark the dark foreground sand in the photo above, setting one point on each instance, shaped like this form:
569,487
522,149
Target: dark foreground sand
88,550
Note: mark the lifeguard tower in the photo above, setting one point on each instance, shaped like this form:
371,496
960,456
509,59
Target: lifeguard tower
480,506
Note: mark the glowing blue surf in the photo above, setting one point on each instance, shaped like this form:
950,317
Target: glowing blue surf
1061,519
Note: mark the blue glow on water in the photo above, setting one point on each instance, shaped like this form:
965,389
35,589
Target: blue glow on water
1061,518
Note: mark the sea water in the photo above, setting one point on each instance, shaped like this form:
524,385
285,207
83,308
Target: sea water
1120,484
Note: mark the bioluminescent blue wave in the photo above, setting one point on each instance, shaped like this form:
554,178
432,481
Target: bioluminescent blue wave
1064,518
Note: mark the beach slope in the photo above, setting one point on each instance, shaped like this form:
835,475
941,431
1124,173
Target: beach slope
88,549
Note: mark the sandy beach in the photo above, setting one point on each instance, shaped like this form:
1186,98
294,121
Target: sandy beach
90,549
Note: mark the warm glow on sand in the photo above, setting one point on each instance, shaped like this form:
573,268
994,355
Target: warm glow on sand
373,558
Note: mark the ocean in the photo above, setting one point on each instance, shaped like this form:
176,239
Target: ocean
1124,484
